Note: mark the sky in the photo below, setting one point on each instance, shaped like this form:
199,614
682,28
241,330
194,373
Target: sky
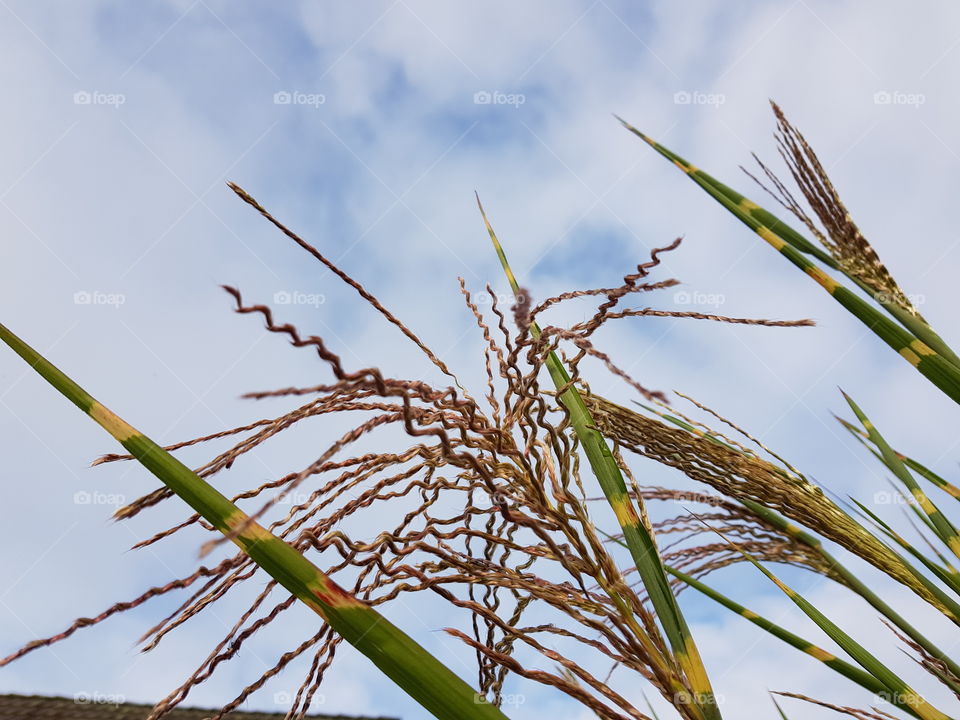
367,127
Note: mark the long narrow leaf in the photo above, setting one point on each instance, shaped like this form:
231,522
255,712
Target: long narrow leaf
860,587
422,676
762,222
851,672
783,715
950,608
942,526
921,470
947,605
898,692
918,345
640,542
944,573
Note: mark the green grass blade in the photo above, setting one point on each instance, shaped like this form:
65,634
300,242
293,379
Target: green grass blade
747,211
949,606
761,221
856,584
898,692
923,519
653,713
640,542
947,576
943,527
422,676
919,345
783,715
920,469
931,477
851,672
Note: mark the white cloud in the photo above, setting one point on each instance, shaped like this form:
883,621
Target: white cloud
104,198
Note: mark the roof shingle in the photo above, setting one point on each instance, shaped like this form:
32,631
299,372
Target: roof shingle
39,707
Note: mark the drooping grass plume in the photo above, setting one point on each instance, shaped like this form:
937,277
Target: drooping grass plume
756,520
908,334
840,235
486,506
636,530
852,672
682,547
494,501
747,477
405,662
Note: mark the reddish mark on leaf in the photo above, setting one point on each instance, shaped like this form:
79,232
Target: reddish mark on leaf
332,595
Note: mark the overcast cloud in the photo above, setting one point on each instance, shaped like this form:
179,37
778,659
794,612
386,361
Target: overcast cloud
367,127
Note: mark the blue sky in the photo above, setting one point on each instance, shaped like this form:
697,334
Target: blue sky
121,124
